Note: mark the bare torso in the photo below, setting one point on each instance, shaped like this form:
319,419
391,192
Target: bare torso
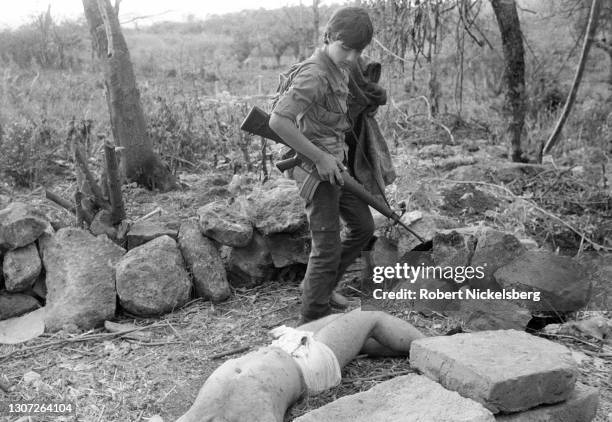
258,387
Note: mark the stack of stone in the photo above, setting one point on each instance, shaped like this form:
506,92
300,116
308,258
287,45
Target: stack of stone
503,376
516,376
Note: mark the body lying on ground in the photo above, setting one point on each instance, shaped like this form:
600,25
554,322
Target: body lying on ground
260,386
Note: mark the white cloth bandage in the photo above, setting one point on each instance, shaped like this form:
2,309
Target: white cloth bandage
318,363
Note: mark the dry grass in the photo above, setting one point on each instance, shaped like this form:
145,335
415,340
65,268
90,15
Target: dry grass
125,380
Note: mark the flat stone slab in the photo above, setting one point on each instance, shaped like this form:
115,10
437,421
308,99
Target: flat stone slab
581,406
409,398
507,371
142,232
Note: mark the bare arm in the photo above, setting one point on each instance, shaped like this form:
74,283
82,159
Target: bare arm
328,167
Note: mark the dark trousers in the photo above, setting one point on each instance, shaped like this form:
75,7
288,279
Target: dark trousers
330,256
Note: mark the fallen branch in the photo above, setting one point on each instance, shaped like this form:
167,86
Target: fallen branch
87,337
231,352
154,343
64,203
377,377
114,327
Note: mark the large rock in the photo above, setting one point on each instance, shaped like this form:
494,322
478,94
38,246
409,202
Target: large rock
14,305
80,278
563,283
288,248
506,371
452,248
143,231
251,265
581,406
494,249
482,315
103,224
204,262
152,279
279,209
21,268
20,225
426,227
409,398
225,224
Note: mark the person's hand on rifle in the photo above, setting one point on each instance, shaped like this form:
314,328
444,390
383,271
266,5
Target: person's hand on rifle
329,168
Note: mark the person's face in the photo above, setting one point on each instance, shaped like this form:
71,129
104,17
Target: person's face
342,55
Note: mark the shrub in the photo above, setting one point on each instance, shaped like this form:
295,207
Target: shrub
25,147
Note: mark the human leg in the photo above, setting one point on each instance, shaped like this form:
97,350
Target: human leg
348,334
359,229
325,253
371,347
317,324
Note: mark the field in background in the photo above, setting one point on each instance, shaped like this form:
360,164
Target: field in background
197,84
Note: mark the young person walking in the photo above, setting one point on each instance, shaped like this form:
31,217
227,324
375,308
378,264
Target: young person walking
311,117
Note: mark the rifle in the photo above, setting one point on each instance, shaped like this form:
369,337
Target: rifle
257,123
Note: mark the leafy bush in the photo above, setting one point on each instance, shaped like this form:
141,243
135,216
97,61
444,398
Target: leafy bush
25,147
199,132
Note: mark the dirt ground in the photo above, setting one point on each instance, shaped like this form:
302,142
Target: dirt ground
114,379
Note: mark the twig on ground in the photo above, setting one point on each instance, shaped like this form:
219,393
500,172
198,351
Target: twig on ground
377,377
102,413
139,416
178,335
154,343
230,352
598,355
593,345
88,337
161,399
157,210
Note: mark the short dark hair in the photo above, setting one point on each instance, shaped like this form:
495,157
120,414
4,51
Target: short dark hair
352,26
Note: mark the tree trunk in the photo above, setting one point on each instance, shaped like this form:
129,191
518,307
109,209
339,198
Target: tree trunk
588,39
315,22
138,161
514,55
607,47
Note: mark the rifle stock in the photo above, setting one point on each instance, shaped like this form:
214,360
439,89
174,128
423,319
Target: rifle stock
257,123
